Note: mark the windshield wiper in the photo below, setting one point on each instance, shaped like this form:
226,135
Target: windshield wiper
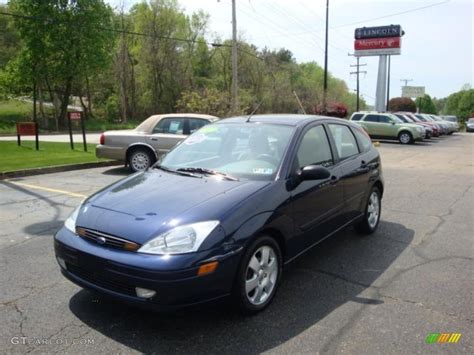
208,172
178,171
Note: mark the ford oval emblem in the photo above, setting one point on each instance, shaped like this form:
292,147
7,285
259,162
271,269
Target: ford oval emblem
101,240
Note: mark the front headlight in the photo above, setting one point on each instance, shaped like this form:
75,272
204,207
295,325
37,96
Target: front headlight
419,129
180,240
70,222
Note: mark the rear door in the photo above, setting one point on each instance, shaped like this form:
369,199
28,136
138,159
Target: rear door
371,123
352,167
168,132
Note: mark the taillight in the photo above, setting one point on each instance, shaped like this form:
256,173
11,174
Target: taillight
102,139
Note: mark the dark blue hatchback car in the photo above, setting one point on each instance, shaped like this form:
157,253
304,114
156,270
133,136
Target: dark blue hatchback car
224,211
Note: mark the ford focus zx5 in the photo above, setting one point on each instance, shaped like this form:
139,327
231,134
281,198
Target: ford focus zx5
224,211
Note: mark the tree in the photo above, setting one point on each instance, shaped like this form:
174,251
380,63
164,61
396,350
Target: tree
426,105
402,104
64,43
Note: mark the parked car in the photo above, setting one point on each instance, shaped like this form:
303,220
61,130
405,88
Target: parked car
224,211
139,148
453,119
470,125
435,127
388,126
407,119
427,118
452,126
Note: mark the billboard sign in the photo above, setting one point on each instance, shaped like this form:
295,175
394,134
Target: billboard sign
377,46
381,40
378,32
413,91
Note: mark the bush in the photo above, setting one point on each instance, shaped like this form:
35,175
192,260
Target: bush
402,104
335,109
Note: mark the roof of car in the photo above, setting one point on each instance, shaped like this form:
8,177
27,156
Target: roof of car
285,119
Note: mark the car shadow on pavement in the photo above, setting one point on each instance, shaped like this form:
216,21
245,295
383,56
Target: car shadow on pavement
314,286
117,171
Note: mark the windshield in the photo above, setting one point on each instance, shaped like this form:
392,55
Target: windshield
396,119
251,151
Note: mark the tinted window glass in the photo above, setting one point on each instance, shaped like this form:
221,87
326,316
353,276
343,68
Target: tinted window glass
364,141
346,144
170,126
384,119
195,124
403,118
372,118
314,148
357,117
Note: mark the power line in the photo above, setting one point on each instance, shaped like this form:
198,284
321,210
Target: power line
394,14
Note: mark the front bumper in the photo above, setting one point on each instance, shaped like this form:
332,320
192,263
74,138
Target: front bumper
107,152
117,273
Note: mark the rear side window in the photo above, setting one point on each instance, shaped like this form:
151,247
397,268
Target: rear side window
371,118
195,124
345,141
170,126
384,119
356,117
314,148
364,141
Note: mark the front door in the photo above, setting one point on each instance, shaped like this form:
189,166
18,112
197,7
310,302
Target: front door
317,204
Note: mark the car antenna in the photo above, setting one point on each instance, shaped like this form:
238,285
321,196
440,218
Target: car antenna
253,112
299,102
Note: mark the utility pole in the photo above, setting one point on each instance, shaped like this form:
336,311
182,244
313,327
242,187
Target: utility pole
326,60
406,81
388,80
234,60
357,72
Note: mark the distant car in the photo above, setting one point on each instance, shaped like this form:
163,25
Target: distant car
452,126
436,128
470,125
407,119
139,148
388,126
443,127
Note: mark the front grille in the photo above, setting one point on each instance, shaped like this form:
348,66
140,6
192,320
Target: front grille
101,280
106,239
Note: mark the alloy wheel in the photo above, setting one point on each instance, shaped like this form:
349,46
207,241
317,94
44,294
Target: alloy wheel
261,275
373,210
140,161
405,138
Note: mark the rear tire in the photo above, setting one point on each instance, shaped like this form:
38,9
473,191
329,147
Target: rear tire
373,209
258,276
405,137
140,159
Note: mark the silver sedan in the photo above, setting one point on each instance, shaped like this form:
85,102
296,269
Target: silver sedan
141,147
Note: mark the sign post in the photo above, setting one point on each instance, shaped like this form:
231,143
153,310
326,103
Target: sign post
77,116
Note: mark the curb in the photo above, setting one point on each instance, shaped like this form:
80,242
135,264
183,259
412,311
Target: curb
57,169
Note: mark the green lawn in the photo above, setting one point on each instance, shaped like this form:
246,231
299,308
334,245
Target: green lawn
13,157
12,111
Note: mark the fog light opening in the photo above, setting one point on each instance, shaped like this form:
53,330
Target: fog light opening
61,262
207,268
144,292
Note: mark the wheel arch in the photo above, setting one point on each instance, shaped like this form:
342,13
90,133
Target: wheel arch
144,146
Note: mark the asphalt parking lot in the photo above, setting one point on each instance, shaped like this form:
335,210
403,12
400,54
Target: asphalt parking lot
361,295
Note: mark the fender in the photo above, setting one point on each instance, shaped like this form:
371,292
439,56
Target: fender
144,145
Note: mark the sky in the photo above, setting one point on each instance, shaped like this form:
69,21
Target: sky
437,49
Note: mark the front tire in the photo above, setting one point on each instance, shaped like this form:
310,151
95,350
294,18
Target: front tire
140,159
371,218
405,138
258,276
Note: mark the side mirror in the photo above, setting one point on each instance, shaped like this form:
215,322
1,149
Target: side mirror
314,172
393,123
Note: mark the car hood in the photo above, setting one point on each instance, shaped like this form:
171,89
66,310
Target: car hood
146,204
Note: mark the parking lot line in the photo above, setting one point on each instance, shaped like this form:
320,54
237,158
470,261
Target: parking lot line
36,187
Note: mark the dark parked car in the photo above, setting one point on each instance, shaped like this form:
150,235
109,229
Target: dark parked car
224,211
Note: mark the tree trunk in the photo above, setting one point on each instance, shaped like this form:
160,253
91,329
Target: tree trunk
65,102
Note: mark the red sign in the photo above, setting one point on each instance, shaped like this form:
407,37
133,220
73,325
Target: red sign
377,43
75,116
26,128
